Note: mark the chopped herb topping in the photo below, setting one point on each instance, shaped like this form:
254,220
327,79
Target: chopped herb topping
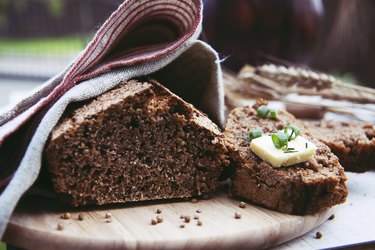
306,145
290,151
280,139
263,111
255,133
295,131
273,114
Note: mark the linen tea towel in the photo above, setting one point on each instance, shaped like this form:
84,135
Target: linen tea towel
140,38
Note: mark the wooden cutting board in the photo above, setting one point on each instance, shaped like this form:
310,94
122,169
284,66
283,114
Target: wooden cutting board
34,225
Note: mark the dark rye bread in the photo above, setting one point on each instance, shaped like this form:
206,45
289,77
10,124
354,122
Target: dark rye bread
352,142
304,188
136,142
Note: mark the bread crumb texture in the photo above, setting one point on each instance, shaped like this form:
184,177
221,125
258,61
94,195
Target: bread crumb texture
135,142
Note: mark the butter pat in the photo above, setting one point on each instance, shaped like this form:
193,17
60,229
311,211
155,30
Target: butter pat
264,148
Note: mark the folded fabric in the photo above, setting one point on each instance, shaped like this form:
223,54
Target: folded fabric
142,37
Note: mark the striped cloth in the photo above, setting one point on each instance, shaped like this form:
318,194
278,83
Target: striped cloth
139,38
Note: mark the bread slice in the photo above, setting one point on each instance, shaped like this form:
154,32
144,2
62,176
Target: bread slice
352,142
136,142
304,188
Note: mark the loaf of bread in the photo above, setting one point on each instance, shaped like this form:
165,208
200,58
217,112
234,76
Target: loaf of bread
300,189
136,142
352,142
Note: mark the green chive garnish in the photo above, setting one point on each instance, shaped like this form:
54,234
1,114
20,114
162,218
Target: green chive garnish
306,145
290,151
295,131
255,133
280,139
273,114
263,111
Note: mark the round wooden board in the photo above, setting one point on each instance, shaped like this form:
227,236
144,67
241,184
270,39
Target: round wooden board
34,226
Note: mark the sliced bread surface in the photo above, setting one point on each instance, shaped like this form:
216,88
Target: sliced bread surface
300,189
352,142
136,142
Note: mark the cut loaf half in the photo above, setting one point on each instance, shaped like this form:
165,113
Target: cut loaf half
136,142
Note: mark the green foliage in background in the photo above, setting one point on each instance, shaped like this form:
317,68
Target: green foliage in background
42,46
55,7
3,246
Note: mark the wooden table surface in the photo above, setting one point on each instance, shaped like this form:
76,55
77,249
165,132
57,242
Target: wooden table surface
34,225
354,221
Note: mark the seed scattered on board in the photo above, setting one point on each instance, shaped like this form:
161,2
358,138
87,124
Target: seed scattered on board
199,223
108,217
158,211
237,215
318,235
242,204
81,216
60,226
159,219
331,217
154,221
187,218
66,216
